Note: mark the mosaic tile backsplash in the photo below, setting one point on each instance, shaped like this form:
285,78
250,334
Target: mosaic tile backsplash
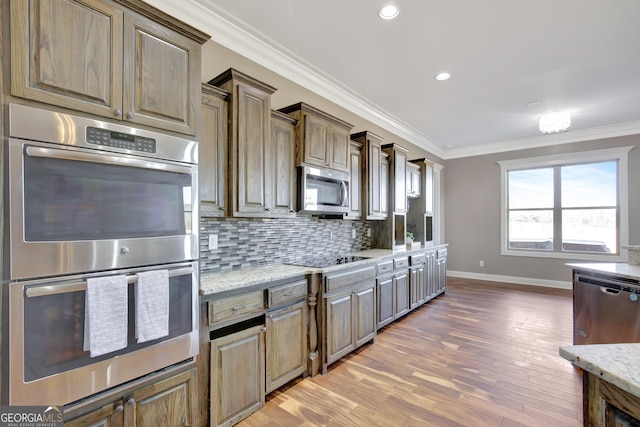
248,242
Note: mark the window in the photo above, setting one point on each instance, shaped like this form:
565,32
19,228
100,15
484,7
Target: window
566,206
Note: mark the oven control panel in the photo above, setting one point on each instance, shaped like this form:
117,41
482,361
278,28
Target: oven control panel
126,141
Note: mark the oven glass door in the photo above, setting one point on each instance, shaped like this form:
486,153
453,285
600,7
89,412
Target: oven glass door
74,197
53,323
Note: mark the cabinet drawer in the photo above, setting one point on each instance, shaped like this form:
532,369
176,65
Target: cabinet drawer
385,267
340,280
400,263
441,253
235,306
286,293
418,259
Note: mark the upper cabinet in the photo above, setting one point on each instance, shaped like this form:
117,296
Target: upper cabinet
99,57
260,178
283,138
413,180
322,140
355,181
212,151
398,176
376,173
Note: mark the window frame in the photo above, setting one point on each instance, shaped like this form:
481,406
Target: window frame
619,154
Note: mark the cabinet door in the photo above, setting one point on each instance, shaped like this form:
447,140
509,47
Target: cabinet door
161,76
422,284
110,415
374,208
282,149
400,182
286,345
212,154
355,174
401,287
316,141
237,376
441,274
386,302
339,326
384,186
414,285
339,151
365,315
253,175
68,53
170,403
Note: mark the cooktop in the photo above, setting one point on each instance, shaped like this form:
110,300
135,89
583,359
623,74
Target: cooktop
326,261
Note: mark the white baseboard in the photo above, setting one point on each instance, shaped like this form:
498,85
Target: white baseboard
512,279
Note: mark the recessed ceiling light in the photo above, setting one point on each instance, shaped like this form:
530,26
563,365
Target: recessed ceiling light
443,76
389,12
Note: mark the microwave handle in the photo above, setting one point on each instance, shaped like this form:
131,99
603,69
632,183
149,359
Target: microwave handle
344,194
81,285
53,153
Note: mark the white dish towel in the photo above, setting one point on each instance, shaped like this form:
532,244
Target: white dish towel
105,315
152,305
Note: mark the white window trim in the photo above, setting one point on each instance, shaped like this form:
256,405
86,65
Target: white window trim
619,154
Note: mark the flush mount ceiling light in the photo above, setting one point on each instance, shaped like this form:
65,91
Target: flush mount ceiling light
389,12
555,122
443,76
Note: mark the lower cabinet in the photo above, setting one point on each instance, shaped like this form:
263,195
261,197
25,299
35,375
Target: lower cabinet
286,345
169,402
440,273
237,376
394,290
349,314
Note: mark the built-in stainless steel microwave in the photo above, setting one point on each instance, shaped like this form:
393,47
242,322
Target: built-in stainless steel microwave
322,191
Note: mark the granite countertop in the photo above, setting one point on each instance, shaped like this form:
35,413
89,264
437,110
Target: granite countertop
621,269
253,277
614,363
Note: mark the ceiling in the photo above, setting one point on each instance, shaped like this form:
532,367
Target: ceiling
576,55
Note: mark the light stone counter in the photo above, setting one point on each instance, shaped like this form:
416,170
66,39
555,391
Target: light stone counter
614,363
621,269
246,278
250,278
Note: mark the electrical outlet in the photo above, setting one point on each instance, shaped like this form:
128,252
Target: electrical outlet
353,233
368,232
481,263
213,242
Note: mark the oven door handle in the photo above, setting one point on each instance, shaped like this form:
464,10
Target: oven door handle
81,285
54,153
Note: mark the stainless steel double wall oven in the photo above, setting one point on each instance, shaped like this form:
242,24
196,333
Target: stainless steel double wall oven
87,199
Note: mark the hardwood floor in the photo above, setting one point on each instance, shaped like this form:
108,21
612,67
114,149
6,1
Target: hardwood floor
482,354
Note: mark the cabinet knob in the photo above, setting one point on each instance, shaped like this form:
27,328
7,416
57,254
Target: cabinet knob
131,401
264,330
129,115
119,408
267,209
118,112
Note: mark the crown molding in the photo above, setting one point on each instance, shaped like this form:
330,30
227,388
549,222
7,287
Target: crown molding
632,128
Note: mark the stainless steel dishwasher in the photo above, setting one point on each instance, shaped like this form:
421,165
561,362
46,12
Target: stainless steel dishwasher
605,309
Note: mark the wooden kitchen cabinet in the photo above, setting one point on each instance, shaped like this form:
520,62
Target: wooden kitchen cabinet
349,312
213,151
394,290
283,139
250,174
170,402
286,335
322,139
440,273
97,56
376,175
398,177
237,376
355,178
413,180
418,280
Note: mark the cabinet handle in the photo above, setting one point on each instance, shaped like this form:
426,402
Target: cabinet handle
118,112
264,330
131,401
220,208
267,209
129,115
239,307
119,409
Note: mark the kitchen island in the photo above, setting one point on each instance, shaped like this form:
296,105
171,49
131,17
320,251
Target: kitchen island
611,391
